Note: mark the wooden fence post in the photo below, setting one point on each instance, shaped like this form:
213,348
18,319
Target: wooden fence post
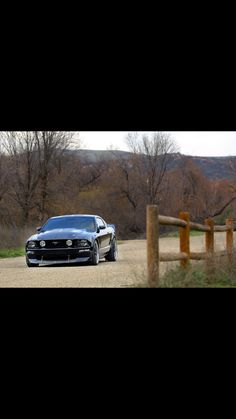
210,238
230,238
153,245
184,233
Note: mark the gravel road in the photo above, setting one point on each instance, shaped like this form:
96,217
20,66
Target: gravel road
130,269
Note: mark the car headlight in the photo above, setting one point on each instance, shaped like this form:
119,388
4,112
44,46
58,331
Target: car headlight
69,243
83,243
31,245
42,243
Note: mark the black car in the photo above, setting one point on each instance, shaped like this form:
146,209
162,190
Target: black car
72,239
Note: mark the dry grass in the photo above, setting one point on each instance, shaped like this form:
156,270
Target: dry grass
218,274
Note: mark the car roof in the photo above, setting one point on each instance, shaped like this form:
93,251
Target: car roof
75,215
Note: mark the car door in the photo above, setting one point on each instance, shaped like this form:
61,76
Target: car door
104,236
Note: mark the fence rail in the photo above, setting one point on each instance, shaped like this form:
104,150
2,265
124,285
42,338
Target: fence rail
154,257
171,221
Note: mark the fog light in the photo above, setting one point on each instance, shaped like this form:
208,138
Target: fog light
69,243
42,243
83,243
31,244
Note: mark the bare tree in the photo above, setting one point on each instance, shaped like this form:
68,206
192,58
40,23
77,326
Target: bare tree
51,147
152,153
79,176
222,193
35,159
195,193
3,173
123,174
20,149
4,185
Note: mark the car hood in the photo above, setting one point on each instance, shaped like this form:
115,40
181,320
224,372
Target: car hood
63,233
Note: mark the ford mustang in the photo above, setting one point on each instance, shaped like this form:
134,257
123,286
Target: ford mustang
72,239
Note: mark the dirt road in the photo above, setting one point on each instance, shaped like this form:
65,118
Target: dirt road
130,269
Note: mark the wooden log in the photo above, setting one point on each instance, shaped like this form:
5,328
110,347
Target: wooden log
230,238
172,257
184,238
221,228
199,227
198,255
171,221
203,255
153,246
210,237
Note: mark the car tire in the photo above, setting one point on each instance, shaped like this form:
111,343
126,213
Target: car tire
31,265
113,253
95,254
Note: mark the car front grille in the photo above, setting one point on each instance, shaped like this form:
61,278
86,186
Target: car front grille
56,255
57,244
60,255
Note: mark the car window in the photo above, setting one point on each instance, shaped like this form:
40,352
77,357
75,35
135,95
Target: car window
100,222
80,223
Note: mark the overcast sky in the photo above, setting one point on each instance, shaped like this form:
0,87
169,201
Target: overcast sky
195,143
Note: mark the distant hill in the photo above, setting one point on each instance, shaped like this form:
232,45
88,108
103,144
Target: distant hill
97,155
215,168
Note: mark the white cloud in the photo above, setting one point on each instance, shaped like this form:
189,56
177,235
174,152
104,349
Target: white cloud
204,143
198,143
101,140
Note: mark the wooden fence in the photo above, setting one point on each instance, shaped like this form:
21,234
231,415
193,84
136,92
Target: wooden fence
154,257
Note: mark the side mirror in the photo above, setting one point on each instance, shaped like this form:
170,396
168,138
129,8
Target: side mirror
38,229
99,228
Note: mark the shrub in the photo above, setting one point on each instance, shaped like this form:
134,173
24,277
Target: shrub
220,274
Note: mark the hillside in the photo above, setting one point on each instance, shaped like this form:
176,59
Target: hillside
93,156
215,168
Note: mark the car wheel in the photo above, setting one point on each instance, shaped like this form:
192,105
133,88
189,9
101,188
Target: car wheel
113,253
31,265
95,254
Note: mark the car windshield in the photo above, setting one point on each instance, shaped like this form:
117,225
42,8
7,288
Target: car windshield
80,223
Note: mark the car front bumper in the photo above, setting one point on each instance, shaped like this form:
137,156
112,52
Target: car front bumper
59,256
